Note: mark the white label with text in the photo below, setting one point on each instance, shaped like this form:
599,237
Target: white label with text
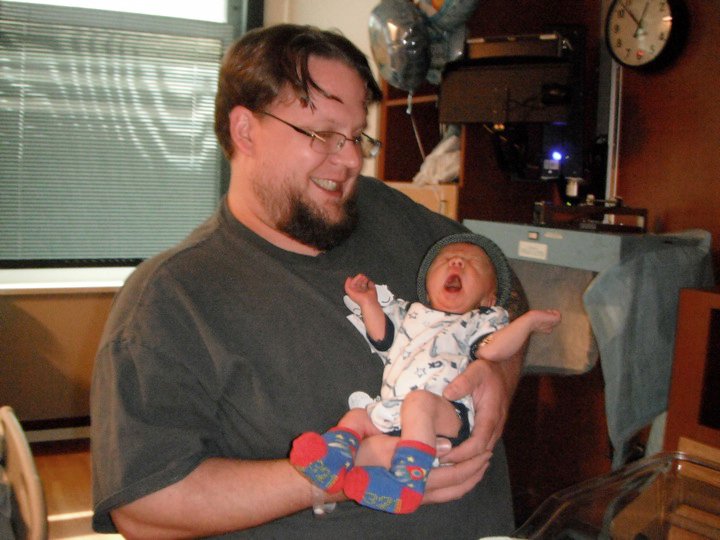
533,250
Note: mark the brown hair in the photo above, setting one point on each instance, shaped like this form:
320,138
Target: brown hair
263,62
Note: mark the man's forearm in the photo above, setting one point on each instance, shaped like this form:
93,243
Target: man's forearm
220,495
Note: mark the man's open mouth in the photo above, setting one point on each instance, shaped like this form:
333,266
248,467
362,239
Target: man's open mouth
325,184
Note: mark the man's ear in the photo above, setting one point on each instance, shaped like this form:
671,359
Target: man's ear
241,127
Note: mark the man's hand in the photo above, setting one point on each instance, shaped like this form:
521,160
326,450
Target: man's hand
445,483
452,481
491,385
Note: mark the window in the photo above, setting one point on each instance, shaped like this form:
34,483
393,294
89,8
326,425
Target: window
107,149
207,10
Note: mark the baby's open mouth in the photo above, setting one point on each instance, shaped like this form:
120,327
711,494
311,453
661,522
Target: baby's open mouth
453,283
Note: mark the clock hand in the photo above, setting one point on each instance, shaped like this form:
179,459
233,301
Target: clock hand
640,28
629,12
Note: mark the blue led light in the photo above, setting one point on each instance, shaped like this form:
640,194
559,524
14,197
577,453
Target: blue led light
557,156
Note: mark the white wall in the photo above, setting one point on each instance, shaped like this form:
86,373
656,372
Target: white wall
349,16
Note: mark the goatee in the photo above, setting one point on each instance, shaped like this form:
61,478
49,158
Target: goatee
310,228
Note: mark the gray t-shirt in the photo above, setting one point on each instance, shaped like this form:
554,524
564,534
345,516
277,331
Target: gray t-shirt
229,346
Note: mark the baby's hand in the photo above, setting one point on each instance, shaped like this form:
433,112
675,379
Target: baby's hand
546,319
360,288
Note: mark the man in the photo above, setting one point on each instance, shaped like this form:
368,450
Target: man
219,352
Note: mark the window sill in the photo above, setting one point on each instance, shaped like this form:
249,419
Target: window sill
62,280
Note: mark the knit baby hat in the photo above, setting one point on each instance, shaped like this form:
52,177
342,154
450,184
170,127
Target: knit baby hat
502,268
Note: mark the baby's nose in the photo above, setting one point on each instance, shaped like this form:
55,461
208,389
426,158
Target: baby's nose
457,261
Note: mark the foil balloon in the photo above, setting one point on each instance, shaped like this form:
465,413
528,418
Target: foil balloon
453,14
445,46
448,33
400,43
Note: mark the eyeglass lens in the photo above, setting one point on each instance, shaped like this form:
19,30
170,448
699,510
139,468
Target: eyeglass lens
330,142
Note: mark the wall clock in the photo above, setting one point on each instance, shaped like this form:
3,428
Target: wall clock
646,34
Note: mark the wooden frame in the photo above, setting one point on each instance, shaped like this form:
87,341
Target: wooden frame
696,369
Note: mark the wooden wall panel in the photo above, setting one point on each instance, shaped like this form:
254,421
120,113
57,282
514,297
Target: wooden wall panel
693,410
670,134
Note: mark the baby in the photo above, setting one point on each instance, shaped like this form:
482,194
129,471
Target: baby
424,346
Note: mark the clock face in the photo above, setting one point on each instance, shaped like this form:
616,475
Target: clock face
638,31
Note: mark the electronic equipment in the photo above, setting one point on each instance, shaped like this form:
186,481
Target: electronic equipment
527,90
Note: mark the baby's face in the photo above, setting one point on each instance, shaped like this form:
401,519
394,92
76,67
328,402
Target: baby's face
461,278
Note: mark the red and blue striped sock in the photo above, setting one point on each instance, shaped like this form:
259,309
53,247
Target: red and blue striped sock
324,459
398,490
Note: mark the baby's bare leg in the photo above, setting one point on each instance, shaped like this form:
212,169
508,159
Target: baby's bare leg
400,490
358,420
424,415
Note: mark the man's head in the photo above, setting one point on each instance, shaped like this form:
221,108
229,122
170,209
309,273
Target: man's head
266,61
463,272
283,93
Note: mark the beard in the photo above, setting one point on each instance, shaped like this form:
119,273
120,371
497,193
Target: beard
303,221
308,226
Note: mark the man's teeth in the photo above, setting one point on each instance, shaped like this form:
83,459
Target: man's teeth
323,183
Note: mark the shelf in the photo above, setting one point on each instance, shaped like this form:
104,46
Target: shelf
402,102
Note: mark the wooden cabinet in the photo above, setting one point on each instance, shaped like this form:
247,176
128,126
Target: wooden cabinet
694,403
401,155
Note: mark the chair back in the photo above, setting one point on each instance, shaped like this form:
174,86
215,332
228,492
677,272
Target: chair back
17,470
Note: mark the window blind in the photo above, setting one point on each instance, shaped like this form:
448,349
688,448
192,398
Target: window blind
107,149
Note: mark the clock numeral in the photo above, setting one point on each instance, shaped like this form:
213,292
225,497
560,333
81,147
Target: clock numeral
618,43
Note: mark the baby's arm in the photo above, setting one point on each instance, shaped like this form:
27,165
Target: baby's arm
361,290
508,340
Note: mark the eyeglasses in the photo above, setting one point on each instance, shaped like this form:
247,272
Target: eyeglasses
331,142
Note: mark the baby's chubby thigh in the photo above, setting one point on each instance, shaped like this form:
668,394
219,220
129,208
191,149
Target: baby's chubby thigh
425,415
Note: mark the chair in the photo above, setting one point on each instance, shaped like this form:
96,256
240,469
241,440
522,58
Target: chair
29,516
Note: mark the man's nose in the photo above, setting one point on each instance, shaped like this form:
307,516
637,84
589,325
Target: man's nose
350,155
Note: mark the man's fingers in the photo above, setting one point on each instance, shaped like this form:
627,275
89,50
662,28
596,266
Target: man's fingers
448,483
464,384
455,492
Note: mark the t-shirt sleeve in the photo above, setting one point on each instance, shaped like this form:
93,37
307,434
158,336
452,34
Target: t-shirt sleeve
150,384
148,406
